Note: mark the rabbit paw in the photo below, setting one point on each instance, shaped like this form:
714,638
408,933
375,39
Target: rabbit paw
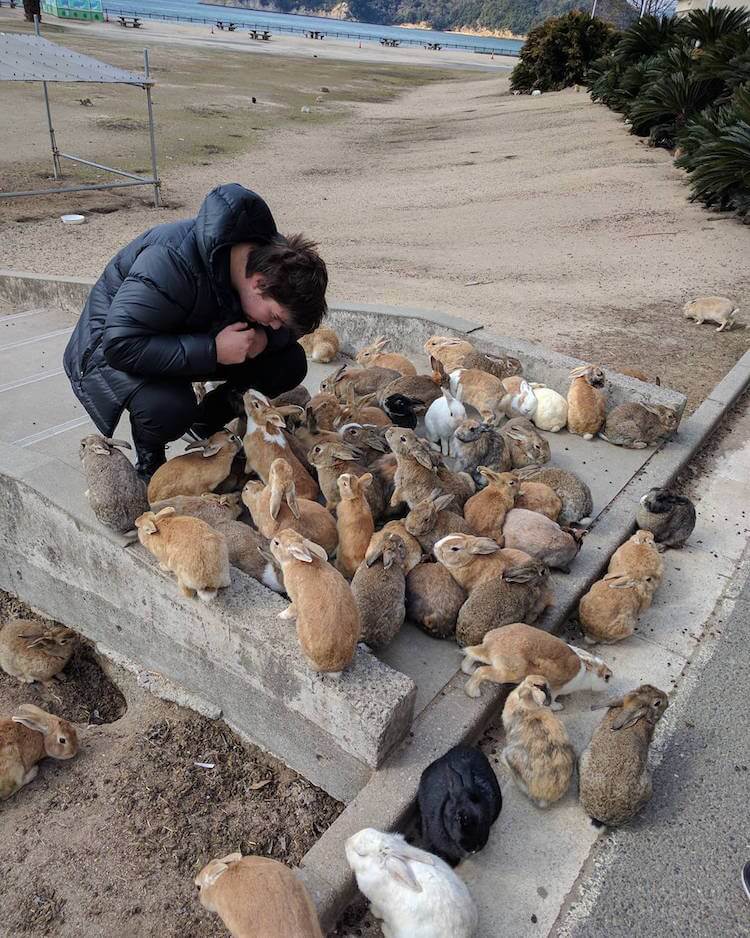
289,613
472,689
467,665
556,705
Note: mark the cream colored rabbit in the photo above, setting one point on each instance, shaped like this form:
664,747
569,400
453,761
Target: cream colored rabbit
374,354
353,521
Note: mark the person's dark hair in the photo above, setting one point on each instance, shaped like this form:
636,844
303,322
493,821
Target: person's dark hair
295,276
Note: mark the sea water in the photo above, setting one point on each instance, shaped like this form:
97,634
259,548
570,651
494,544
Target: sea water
289,22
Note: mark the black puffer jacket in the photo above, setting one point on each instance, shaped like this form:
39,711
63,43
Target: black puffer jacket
160,302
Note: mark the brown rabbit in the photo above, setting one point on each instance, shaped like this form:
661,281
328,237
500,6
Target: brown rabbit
431,520
459,353
189,548
332,460
195,473
379,592
265,441
614,782
353,521
512,652
526,444
364,380
25,739
328,625
638,557
31,650
322,345
480,390
257,897
609,611
360,409
322,410
422,388
373,354
417,476
433,599
587,406
636,425
209,507
545,540
370,441
485,512
537,753
520,594
472,561
248,551
275,506
539,497
412,545
575,495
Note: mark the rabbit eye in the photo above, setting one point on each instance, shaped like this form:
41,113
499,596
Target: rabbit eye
606,678
62,740
403,439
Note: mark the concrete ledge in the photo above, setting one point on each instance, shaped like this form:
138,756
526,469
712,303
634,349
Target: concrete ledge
235,655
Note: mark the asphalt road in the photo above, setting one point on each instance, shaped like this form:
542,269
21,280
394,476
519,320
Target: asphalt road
675,872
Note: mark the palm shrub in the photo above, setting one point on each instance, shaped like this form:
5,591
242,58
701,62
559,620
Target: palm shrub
559,51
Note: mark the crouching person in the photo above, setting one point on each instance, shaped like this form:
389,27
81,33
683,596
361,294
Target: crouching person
220,297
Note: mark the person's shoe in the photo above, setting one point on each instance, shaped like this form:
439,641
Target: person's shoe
746,878
149,461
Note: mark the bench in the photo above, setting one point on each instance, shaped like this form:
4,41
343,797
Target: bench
393,43
314,34
434,46
129,21
262,35
220,24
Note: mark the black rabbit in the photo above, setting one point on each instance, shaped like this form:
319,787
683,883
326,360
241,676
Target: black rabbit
403,410
459,801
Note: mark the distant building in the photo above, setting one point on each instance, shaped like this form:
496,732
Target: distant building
685,6
74,9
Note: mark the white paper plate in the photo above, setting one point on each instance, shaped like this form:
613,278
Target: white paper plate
72,219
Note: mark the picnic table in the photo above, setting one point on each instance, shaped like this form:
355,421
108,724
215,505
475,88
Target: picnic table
314,34
229,26
129,21
393,43
434,46
260,34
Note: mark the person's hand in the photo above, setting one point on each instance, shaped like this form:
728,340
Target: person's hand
238,342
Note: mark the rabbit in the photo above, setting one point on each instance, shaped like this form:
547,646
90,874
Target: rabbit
527,447
422,388
322,412
189,548
248,551
417,476
379,592
433,599
370,441
257,896
116,492
551,412
265,441
638,557
717,309
542,538
430,520
369,380
25,739
522,403
459,353
609,611
414,893
520,594
637,426
587,405
333,459
472,561
412,545
360,409
353,521
459,800
539,497
373,354
482,391
640,376
297,397
442,418
328,626
485,512
194,473
308,432
537,753
208,507
476,443
575,495
403,411
322,345
613,778
670,518
275,506
513,652
35,651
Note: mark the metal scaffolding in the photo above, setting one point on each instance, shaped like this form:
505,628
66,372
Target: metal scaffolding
32,58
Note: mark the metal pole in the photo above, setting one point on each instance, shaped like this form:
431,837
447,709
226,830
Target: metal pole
154,170
593,9
643,8
53,144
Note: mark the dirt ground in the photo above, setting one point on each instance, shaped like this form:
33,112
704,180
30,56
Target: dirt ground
109,843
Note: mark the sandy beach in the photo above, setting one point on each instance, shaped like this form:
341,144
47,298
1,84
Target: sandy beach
540,217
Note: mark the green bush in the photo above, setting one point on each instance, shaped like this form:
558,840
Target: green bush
558,53
686,83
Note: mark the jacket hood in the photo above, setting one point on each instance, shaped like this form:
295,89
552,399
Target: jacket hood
229,215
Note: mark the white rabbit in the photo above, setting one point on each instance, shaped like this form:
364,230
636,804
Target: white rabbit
442,418
521,404
551,410
414,893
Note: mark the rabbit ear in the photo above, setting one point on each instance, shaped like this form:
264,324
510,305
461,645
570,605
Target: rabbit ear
580,371
269,558
515,434
365,481
398,868
422,458
316,550
164,512
300,552
629,717
484,545
617,581
521,574
609,704
123,444
275,419
216,869
196,444
374,441
211,450
274,507
288,410
148,527
101,450
32,717
291,500
380,343
443,501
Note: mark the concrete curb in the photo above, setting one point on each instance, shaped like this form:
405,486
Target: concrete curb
388,800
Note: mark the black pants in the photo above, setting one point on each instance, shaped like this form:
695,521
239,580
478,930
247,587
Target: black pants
161,411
